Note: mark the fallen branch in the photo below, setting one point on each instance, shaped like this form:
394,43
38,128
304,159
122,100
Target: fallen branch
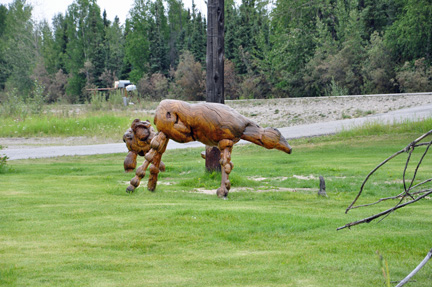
369,219
417,269
402,194
409,148
408,192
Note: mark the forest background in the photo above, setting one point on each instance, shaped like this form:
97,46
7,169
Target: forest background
285,48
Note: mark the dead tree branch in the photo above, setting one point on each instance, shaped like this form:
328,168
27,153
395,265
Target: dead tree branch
409,148
388,211
414,272
408,192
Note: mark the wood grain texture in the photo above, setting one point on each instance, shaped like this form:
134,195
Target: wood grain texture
211,124
137,139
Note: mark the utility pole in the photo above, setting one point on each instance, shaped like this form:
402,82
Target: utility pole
215,68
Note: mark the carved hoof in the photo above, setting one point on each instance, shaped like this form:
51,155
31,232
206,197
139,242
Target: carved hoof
222,192
151,186
130,189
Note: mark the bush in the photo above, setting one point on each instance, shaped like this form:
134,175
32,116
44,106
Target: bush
13,105
231,85
154,87
99,102
3,162
190,79
415,77
378,68
335,90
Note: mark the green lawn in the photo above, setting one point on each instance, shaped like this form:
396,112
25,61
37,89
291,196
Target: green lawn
69,222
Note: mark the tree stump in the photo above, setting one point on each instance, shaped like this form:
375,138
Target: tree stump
322,190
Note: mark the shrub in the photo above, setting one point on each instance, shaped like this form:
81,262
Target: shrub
3,162
154,87
190,79
13,105
57,89
231,85
378,68
415,77
335,90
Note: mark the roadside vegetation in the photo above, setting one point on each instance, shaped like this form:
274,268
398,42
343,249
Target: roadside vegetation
288,49
102,118
68,221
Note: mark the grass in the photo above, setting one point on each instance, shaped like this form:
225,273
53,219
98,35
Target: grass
67,221
100,124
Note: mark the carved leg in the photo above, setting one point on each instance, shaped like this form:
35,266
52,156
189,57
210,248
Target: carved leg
130,162
225,146
153,157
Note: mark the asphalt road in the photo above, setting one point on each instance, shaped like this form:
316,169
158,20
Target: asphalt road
293,132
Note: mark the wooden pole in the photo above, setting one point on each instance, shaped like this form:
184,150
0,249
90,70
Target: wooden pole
215,68
215,51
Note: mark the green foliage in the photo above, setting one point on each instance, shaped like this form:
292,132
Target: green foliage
410,35
189,79
378,68
295,49
18,47
3,162
415,77
334,90
13,105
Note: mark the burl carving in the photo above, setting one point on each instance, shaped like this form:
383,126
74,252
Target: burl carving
210,123
137,139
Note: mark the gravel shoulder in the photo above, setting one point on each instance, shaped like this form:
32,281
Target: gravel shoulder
277,113
298,111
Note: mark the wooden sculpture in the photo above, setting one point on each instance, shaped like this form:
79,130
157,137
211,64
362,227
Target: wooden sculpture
209,123
137,139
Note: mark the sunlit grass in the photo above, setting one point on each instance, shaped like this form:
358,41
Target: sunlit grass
68,221
105,124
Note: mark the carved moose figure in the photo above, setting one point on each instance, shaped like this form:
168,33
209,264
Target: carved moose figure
137,139
209,123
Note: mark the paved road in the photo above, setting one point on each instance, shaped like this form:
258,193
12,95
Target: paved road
299,131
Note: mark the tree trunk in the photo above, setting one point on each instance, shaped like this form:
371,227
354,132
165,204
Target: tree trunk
215,68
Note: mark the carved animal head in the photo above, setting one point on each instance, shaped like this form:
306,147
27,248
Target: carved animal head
137,139
272,138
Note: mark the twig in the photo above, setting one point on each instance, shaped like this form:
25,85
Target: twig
402,194
418,166
409,147
370,218
417,269
368,176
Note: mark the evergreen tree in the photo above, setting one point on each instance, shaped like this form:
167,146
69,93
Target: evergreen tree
137,46
158,36
19,47
4,70
410,36
61,40
177,21
114,46
231,24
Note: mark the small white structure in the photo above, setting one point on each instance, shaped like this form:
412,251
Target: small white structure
121,84
131,88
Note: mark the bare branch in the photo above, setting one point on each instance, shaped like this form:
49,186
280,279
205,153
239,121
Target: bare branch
369,219
417,269
409,148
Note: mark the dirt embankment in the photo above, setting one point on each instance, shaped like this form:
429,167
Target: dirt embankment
295,111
